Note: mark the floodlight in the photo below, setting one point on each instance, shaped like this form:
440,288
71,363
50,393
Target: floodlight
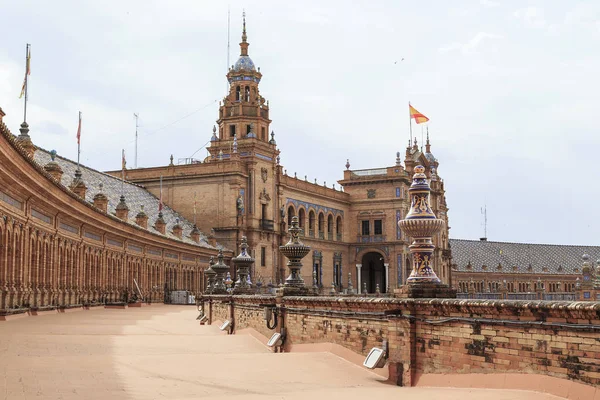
276,340
375,358
225,325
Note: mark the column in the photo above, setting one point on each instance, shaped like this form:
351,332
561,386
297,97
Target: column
358,278
387,278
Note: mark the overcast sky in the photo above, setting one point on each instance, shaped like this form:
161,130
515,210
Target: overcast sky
511,89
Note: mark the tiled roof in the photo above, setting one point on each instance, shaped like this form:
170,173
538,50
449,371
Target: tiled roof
558,259
135,196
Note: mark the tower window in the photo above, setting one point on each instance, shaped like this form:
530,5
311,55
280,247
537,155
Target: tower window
263,256
248,129
247,93
237,93
365,228
263,133
378,227
231,130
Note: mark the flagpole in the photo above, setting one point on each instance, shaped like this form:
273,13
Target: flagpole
26,74
160,200
78,136
123,173
410,123
194,208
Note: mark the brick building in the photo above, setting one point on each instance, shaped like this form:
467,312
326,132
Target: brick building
243,189
525,271
70,235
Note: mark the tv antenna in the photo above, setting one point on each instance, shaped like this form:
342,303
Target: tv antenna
228,38
484,213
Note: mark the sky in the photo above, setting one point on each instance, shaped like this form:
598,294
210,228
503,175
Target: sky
511,89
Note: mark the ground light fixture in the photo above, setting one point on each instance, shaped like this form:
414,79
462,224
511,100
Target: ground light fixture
375,358
276,340
225,325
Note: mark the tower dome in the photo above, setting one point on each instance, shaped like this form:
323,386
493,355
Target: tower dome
244,63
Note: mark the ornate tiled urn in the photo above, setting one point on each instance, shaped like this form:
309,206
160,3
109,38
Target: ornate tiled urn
421,224
210,275
242,265
294,251
221,269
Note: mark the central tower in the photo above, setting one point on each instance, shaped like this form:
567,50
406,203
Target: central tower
244,112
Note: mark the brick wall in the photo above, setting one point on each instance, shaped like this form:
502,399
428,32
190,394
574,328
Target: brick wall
558,339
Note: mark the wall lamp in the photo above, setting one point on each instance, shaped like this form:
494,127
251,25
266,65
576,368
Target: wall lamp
377,357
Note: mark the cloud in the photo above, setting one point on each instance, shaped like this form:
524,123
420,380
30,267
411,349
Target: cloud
585,16
532,16
489,3
52,128
470,46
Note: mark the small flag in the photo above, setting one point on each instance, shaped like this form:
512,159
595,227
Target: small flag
123,162
419,118
79,130
27,71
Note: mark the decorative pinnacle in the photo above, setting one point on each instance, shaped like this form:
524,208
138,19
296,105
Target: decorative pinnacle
244,37
347,163
53,155
244,45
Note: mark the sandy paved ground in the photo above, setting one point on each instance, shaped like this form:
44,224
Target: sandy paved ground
160,352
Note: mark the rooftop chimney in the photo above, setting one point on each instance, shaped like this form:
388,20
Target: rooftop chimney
141,218
100,200
122,209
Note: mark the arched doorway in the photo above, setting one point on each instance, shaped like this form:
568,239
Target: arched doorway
373,273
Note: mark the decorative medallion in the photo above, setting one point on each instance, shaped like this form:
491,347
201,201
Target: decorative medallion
263,174
370,193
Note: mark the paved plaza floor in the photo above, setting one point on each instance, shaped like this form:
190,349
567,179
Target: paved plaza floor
161,352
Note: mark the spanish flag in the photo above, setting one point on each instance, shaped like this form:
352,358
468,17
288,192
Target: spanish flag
419,118
27,70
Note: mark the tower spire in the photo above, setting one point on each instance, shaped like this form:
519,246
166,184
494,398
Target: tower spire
427,145
244,45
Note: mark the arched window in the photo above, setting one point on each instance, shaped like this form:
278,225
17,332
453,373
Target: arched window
302,218
237,93
321,226
338,228
311,223
330,227
290,213
247,93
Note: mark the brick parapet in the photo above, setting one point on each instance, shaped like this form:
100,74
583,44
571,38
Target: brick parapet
553,338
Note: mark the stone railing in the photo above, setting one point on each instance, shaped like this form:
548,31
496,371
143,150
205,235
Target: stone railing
429,337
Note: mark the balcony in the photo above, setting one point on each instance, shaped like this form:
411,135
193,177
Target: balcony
330,235
339,237
322,235
311,232
370,238
267,225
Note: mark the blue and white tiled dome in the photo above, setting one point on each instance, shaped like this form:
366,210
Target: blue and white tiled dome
244,63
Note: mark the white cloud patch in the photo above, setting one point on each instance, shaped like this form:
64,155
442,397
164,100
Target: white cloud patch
531,16
472,45
489,3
